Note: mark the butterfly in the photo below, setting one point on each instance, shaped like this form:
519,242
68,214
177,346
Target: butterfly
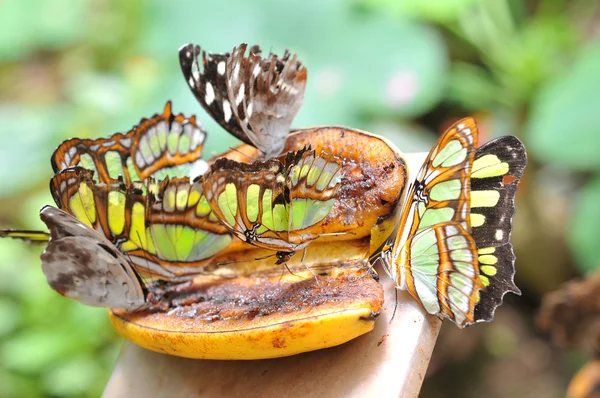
451,250
165,229
166,144
81,264
274,204
253,98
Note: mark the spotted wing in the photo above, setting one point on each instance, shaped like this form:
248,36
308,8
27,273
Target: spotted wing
251,201
497,169
313,181
265,94
436,209
205,74
81,264
165,144
164,229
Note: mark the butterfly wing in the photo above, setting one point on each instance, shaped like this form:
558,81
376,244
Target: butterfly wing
181,231
81,264
250,200
497,169
205,74
313,181
165,144
165,230
265,94
436,210
443,272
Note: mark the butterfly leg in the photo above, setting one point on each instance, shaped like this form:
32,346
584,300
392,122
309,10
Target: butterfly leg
306,266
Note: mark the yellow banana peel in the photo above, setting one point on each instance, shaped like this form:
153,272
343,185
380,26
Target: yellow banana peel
271,312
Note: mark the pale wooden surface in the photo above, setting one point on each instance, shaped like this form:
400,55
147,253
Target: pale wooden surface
390,361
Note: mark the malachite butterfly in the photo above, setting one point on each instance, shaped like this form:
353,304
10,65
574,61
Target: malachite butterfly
274,204
253,98
451,250
165,230
164,145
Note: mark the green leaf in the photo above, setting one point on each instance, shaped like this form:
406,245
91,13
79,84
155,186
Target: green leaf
565,118
584,238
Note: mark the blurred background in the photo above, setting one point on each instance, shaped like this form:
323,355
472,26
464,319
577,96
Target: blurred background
404,69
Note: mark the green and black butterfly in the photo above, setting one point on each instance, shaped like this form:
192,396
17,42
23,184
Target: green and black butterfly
451,250
276,205
253,98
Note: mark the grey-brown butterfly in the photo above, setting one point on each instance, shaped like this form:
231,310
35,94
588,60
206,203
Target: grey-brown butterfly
253,98
83,265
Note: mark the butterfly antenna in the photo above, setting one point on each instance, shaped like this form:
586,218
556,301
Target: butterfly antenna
290,271
306,266
335,234
395,305
244,261
240,152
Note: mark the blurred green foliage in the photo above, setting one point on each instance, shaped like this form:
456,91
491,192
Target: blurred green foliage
398,68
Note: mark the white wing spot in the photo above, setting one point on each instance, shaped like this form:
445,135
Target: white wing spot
249,110
209,96
256,70
221,68
499,234
226,111
240,95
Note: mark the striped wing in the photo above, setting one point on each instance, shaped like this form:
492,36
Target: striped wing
273,204
165,144
313,182
251,201
443,271
266,95
165,230
436,210
497,169
81,264
253,98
